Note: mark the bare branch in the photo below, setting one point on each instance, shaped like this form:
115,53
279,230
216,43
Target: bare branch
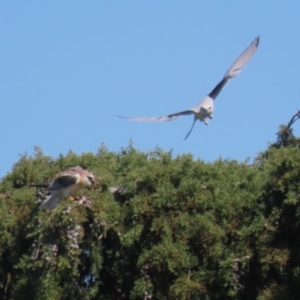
293,119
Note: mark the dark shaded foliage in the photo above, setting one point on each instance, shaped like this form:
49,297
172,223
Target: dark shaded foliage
182,228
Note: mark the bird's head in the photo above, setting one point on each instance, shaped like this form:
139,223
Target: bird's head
90,178
207,110
206,106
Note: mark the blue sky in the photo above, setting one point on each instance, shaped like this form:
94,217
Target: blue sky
67,66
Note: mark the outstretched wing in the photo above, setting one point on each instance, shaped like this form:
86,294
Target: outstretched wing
149,119
182,113
242,60
236,68
167,118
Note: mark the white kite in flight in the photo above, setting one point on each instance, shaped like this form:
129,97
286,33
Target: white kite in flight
205,107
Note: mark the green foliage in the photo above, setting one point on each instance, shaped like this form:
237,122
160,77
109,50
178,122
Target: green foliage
182,229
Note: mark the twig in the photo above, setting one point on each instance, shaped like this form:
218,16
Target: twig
189,274
294,119
37,253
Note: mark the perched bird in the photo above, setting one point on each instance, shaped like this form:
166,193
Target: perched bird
65,184
205,107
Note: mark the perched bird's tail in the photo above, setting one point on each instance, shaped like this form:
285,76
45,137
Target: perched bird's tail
43,185
51,202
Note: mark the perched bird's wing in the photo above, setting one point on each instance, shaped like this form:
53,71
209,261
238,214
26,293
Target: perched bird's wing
65,179
167,118
236,68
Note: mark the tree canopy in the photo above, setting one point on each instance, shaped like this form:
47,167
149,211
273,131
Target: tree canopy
179,228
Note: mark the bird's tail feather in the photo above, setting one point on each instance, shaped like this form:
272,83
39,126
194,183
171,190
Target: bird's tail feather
44,185
51,202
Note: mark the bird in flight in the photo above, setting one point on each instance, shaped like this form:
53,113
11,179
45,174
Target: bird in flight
65,184
204,109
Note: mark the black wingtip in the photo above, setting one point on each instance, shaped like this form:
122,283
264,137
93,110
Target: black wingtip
257,39
118,116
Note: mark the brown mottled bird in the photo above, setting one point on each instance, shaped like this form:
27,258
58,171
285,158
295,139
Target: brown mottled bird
65,184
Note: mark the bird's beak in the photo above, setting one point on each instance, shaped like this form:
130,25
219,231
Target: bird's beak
94,181
91,180
207,110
